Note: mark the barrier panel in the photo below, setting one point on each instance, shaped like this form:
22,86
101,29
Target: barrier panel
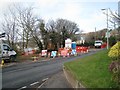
64,52
103,45
73,52
44,53
81,49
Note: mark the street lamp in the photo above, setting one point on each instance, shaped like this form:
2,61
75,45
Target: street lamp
107,27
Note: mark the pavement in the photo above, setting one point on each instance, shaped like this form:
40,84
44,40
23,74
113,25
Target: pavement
57,81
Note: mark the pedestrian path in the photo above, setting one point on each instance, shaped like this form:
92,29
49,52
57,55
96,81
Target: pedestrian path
57,81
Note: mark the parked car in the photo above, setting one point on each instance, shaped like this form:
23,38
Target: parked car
98,43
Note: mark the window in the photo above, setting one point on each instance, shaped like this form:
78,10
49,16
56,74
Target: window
5,47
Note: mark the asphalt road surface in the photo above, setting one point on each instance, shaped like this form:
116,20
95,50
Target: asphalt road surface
26,75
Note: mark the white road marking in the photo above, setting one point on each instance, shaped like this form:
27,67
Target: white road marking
34,83
45,79
42,84
22,88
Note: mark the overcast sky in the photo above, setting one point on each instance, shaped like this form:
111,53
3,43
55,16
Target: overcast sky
86,13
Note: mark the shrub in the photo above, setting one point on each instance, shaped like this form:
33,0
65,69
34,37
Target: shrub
112,40
114,67
114,51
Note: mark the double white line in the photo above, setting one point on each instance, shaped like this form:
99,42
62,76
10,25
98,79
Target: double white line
44,81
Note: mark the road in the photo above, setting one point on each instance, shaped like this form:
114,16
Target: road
24,74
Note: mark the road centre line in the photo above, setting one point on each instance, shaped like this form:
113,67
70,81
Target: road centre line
34,83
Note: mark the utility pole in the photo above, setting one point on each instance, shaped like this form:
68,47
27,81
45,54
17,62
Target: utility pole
107,33
95,33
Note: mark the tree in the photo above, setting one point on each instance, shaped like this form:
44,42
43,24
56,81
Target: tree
23,24
66,29
112,40
58,31
9,26
116,18
54,35
25,20
26,26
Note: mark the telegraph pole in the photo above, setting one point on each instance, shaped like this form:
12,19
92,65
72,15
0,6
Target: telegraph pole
95,33
107,33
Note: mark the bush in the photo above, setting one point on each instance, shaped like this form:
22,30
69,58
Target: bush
114,67
114,51
112,40
86,44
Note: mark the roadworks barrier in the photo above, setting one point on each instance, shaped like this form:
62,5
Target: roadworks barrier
71,79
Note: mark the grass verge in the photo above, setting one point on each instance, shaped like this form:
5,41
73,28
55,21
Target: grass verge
92,71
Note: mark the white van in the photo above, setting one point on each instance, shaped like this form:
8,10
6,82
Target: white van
98,43
6,53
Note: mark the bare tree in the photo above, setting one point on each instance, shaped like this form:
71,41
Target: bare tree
9,26
22,24
116,19
29,23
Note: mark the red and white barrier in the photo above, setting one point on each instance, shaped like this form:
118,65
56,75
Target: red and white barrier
81,49
44,53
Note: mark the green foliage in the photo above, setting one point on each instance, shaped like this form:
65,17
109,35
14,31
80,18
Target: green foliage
87,44
112,40
114,51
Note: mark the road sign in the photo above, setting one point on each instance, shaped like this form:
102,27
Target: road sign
53,53
107,34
